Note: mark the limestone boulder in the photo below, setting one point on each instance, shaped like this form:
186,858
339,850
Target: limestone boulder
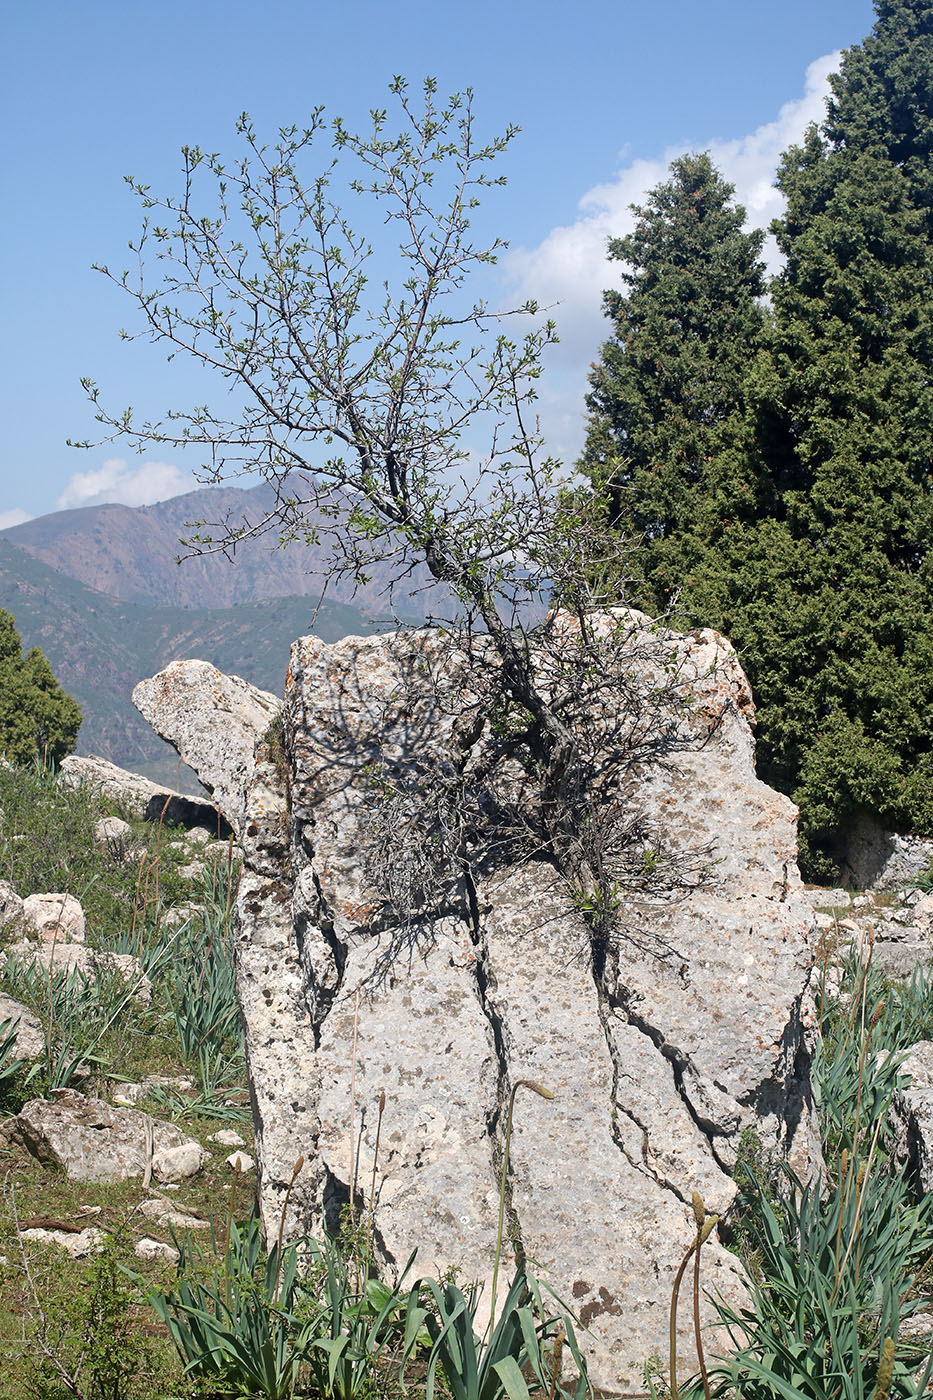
693,1023
90,964
155,1251
165,1212
30,1039
76,1243
139,796
55,918
883,860
92,1141
213,721
113,834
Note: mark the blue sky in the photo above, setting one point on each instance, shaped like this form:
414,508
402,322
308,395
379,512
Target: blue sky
606,94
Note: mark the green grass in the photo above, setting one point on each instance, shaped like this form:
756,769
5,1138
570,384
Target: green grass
46,844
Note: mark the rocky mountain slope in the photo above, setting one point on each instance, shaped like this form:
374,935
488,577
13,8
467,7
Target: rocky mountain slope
130,552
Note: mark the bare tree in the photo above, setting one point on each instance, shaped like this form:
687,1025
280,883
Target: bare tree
360,396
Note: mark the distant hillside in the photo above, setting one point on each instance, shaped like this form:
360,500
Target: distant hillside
129,552
99,646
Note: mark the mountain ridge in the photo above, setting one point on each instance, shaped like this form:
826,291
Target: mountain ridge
129,552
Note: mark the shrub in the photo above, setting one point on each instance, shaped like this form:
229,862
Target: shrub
85,1343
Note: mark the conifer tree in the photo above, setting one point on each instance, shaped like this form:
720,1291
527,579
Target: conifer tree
37,718
807,537
844,676
665,431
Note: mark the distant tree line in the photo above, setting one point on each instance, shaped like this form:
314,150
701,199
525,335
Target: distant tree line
774,458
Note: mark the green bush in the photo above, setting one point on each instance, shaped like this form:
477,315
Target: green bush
86,1342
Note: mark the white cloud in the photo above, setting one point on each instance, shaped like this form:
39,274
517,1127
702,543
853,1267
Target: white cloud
569,269
9,518
116,481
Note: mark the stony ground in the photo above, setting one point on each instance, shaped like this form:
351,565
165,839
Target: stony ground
123,1095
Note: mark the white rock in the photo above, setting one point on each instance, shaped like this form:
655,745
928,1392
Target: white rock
11,906
243,1159
78,1244
155,1250
166,1213
113,832
213,721
88,963
92,1141
227,1137
57,917
132,1093
827,899
912,1113
137,795
180,914
177,1163
30,1037
923,909
701,1026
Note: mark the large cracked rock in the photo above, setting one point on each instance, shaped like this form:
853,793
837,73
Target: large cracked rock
213,722
695,1026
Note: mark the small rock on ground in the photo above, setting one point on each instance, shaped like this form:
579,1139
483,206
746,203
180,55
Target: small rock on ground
112,832
11,906
130,1094
165,1213
30,1039
152,1250
246,1162
176,1163
55,916
227,1137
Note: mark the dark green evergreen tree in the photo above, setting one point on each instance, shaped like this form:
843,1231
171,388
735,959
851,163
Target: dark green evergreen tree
807,537
37,718
666,427
845,676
